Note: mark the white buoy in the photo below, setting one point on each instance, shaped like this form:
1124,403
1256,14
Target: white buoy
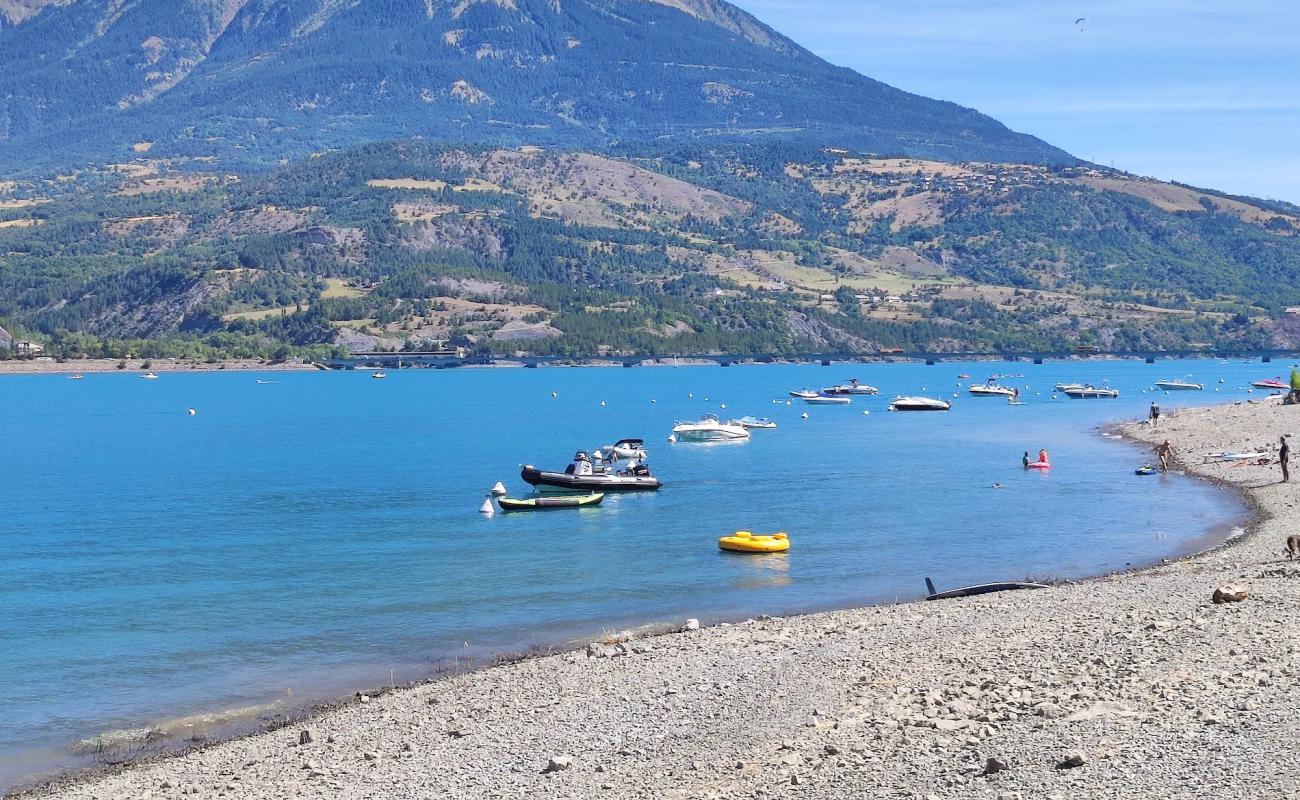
193,412
724,406
653,401
602,403
499,490
804,415
486,508
554,395
690,395
789,402
865,413
706,399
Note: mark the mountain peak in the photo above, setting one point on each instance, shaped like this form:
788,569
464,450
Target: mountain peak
262,80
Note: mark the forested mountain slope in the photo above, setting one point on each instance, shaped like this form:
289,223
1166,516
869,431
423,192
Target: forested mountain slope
739,248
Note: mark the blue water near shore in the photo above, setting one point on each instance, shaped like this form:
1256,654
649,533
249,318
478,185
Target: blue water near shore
321,534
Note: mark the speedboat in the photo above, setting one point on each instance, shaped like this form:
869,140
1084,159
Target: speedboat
149,376
709,429
626,448
1179,385
991,389
76,376
751,423
828,400
803,393
582,476
1065,387
852,387
1270,383
379,376
919,404
551,503
1090,392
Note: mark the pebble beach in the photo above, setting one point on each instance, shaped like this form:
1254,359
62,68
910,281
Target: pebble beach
1125,686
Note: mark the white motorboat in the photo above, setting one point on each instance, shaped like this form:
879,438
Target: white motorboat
1179,386
149,376
1090,392
803,393
627,449
76,376
379,376
919,404
852,387
991,389
752,423
828,400
709,429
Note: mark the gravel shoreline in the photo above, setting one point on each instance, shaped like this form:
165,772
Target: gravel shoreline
1125,686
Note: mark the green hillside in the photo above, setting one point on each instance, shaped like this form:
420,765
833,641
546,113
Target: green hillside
739,248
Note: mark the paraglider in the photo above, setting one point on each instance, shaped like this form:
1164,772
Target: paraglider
1079,22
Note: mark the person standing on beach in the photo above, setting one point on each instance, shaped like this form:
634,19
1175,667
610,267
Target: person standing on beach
1155,415
1284,458
1165,452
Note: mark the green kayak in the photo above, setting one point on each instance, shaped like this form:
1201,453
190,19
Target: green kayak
551,503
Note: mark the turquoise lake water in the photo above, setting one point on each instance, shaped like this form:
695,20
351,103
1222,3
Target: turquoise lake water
321,534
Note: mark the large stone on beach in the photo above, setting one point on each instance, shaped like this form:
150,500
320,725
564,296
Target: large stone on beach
306,736
993,766
1230,592
692,625
558,764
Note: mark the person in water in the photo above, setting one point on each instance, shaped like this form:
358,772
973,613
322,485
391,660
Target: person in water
1165,452
1024,460
1284,459
1042,456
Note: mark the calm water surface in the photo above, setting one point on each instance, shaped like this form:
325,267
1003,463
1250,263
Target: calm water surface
321,534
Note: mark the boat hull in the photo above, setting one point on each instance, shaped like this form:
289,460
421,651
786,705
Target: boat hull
588,484
984,588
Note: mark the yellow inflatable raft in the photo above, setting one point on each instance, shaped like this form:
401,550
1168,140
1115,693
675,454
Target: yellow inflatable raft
746,542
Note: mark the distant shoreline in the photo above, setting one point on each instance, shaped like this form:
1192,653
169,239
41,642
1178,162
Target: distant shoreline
101,365
46,366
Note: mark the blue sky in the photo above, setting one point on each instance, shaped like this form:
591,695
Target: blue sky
1205,92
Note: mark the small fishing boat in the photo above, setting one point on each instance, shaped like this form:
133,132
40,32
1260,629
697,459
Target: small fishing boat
746,542
754,423
709,429
1145,469
802,393
991,389
979,588
852,387
1179,386
1270,383
149,376
919,404
76,376
583,476
551,503
1090,392
379,376
828,400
